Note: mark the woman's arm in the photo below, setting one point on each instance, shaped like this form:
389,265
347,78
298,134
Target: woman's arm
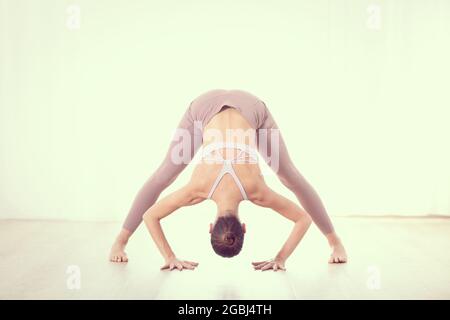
183,197
270,199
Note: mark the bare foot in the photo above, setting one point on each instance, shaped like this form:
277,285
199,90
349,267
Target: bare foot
118,252
338,254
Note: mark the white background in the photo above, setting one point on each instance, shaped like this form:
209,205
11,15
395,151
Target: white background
90,92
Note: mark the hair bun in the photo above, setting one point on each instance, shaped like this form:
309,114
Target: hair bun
229,238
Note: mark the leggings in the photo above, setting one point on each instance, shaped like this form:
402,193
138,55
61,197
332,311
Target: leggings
196,117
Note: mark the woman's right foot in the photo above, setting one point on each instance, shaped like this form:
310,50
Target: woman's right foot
118,252
338,254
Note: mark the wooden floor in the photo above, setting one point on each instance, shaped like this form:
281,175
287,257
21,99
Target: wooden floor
402,258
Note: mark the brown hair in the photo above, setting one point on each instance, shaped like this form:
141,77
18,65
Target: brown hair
227,236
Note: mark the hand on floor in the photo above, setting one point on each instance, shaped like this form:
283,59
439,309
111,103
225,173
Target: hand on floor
175,264
274,264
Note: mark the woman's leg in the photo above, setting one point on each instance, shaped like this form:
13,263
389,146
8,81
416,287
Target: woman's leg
273,149
182,149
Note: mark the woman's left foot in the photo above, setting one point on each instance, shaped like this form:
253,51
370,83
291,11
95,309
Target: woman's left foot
117,253
338,254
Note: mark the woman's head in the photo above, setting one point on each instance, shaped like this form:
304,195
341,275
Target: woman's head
227,236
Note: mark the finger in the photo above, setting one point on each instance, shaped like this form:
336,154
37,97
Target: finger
275,267
256,263
179,266
267,267
259,266
171,266
187,265
192,263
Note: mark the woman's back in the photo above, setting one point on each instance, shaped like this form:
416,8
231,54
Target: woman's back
228,127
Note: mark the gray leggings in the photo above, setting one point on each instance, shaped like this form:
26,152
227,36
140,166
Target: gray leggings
254,110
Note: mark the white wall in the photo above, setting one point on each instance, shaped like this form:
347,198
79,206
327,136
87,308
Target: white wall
359,88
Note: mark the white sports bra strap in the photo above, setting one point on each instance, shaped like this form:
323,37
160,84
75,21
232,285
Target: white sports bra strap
243,148
228,168
228,163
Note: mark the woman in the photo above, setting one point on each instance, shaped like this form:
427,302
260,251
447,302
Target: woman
230,125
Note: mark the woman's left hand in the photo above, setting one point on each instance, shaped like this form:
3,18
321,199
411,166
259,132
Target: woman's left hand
275,264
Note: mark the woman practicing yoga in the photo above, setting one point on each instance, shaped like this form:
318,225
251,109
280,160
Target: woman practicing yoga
231,126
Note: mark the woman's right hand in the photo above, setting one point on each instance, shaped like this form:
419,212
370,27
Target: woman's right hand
275,264
174,263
